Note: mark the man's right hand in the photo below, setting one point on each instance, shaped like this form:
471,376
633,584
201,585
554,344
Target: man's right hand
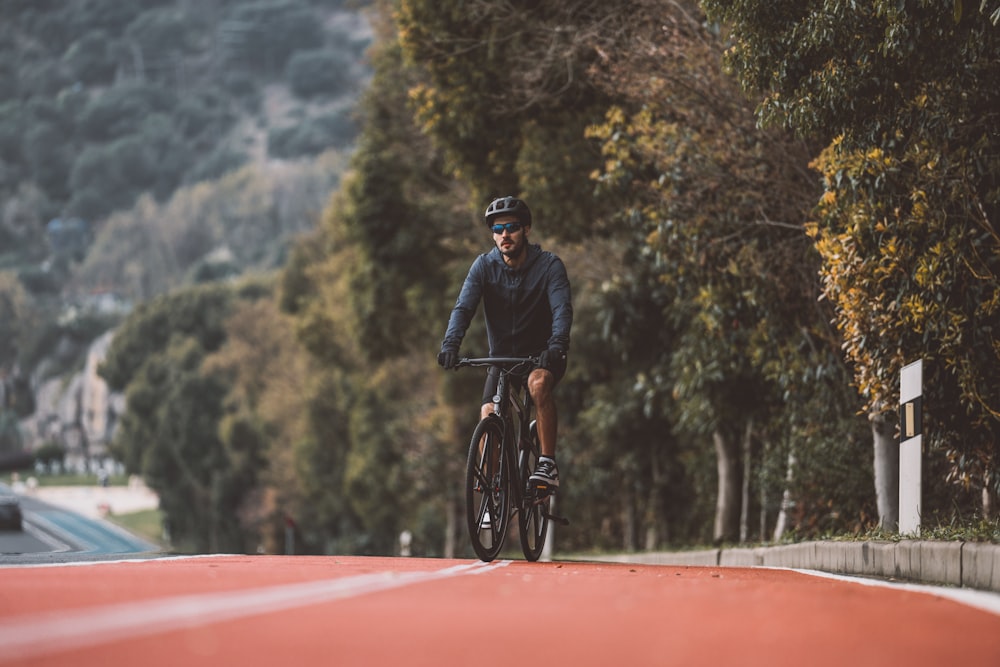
448,359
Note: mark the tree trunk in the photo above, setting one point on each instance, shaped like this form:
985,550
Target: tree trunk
786,499
989,501
727,506
763,498
629,530
745,496
450,527
886,470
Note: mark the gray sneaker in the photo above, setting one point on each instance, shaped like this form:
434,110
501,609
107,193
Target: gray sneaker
546,476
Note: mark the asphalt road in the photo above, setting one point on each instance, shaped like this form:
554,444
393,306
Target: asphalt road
129,605
53,535
333,610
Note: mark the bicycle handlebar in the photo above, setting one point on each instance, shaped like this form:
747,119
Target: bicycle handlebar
507,363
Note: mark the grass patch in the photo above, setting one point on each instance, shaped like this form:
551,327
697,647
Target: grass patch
147,524
69,479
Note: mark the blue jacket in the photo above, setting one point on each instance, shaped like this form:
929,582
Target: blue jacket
527,310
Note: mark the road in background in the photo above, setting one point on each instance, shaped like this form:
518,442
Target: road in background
71,529
259,610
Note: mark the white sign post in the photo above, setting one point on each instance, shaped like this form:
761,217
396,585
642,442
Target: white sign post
911,381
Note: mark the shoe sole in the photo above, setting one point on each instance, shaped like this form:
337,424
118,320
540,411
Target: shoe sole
543,486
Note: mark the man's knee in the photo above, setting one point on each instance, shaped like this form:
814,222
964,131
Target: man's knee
540,383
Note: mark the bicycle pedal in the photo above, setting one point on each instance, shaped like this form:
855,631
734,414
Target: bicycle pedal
561,520
540,490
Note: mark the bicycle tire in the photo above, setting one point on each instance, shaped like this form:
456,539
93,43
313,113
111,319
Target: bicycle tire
487,490
533,522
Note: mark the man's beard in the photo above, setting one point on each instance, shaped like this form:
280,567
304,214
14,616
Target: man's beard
514,251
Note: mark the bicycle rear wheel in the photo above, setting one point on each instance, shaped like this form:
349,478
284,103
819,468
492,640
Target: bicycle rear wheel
487,490
532,520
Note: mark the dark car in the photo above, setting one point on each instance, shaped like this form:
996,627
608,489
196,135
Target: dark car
10,512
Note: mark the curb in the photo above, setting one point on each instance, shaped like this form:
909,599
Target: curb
964,564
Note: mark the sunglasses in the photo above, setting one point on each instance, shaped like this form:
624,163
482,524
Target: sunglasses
511,227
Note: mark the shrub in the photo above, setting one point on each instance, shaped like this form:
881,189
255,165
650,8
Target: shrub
315,73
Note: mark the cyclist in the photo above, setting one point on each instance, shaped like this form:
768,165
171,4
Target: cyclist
526,302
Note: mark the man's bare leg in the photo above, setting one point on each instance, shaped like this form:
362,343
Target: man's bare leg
541,384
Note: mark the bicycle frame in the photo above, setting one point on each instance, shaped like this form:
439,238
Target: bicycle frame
513,407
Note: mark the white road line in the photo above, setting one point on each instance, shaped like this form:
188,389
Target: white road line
983,600
46,633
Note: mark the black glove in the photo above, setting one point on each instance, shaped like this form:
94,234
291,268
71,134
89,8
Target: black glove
548,356
448,359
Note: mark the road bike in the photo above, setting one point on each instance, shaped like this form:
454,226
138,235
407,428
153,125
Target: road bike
502,456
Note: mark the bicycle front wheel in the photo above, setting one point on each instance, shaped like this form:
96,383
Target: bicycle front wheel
487,489
532,520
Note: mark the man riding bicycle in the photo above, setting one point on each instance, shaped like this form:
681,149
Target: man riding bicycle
526,302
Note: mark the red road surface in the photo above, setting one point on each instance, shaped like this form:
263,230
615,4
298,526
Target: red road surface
264,610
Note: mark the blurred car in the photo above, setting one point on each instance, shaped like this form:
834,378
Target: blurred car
10,512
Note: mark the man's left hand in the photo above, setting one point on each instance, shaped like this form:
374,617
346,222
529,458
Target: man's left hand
547,357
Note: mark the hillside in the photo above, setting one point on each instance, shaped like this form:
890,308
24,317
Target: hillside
102,101
152,144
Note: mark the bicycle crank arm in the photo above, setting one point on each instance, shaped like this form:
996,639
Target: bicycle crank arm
561,520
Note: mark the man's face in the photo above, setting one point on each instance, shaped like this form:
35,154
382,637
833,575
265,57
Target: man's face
511,243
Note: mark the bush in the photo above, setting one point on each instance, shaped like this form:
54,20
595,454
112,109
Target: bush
263,35
218,163
205,115
311,137
122,110
90,60
12,124
242,87
51,452
49,155
39,281
314,73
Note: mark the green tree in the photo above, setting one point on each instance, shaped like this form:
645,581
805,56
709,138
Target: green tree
122,110
13,305
715,207
49,156
906,227
90,58
393,198
317,73
203,461
503,93
265,426
264,34
158,40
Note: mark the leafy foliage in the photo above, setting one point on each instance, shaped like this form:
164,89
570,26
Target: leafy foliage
107,103
907,224
496,83
12,302
699,337
314,73
245,221
170,432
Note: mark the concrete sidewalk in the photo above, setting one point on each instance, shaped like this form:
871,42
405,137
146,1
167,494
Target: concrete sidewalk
97,502
966,564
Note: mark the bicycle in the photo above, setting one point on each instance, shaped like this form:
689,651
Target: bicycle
502,455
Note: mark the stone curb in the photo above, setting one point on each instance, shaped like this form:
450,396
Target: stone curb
969,565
